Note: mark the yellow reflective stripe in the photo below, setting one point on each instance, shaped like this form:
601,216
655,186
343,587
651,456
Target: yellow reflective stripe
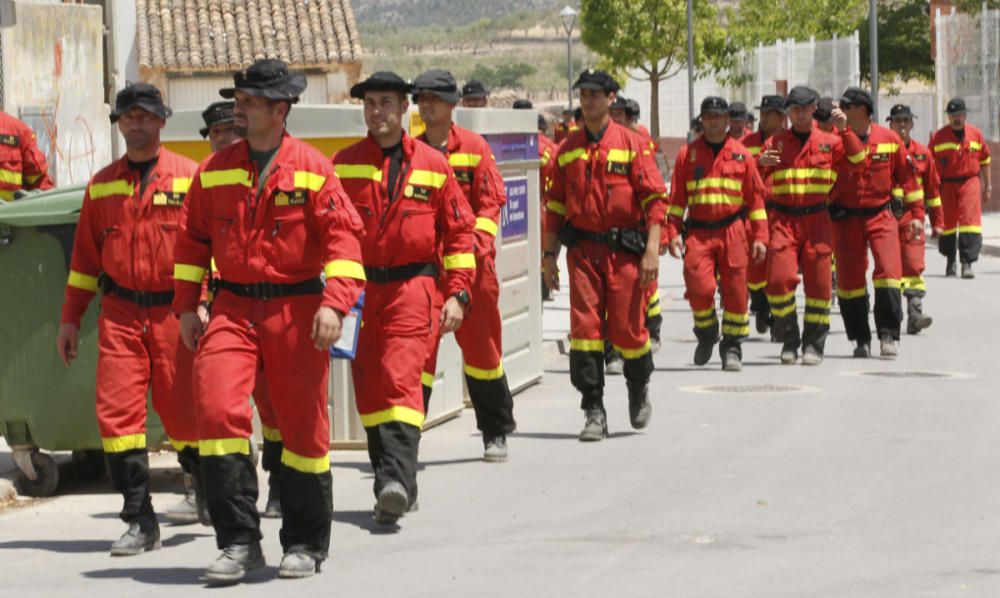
819,303
428,178
621,155
120,444
633,353
119,187
886,148
576,154
31,179
222,178
754,150
913,196
913,282
950,231
816,318
985,161
920,180
941,147
858,157
270,434
975,145
344,269
653,197
802,188
180,445
781,298
654,310
189,273
309,180
218,447
731,330
676,211
557,207
82,281
756,286
13,177
804,173
758,215
464,160
427,379
705,313
897,192
970,228
716,198
494,374
358,171
459,260
305,464
715,182
886,283
654,297
487,225
852,293
396,413
181,184
586,344
934,202
703,323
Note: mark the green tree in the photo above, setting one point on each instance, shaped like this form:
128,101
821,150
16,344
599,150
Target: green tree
651,36
767,21
904,42
503,75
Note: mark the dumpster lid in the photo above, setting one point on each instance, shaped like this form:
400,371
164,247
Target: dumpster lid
55,206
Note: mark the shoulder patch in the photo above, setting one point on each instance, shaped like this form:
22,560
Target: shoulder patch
296,197
919,157
825,148
10,140
739,157
168,198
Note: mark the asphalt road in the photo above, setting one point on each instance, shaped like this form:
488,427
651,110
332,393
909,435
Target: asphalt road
858,478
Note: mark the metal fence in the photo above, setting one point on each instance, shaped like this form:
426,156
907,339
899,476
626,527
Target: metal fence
968,65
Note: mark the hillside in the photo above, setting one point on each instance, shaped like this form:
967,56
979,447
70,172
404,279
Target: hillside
423,13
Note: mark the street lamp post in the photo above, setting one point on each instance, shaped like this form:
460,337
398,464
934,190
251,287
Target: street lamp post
568,16
690,44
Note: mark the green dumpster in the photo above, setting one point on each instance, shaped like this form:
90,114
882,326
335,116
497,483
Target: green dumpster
43,404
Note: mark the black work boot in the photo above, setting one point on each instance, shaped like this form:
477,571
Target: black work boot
595,428
762,321
272,509
789,353
495,448
967,270
234,562
393,501
143,535
916,320
639,407
950,269
703,352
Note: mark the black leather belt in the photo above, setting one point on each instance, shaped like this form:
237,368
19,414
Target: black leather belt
140,298
385,275
714,224
865,212
271,290
796,210
955,179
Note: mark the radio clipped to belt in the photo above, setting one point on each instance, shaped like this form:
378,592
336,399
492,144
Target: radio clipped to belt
627,240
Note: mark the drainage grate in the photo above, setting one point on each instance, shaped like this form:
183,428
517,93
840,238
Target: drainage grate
748,389
906,374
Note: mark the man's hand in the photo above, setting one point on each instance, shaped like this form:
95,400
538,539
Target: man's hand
759,252
191,329
987,191
326,327
914,228
649,267
203,314
839,118
936,232
67,341
771,157
451,315
550,273
676,247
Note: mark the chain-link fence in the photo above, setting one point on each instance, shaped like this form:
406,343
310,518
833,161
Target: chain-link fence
968,65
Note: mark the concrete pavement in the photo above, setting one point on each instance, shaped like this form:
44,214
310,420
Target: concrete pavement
859,478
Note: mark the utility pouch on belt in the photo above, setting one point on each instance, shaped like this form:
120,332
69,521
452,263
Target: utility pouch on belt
837,212
105,283
632,241
567,236
897,207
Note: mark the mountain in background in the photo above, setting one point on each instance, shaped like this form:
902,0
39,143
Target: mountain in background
422,13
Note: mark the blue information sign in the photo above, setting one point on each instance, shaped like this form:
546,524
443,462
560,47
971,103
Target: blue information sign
514,216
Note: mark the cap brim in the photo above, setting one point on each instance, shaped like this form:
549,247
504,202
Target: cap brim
715,111
288,89
450,97
204,132
158,110
358,91
477,95
959,111
594,86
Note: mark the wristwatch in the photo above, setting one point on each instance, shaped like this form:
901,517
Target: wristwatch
462,297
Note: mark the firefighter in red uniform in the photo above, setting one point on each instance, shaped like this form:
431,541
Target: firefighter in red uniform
606,205
22,164
772,122
546,162
739,121
800,167
912,246
963,161
865,215
271,213
124,244
716,181
475,95
475,167
412,207
561,129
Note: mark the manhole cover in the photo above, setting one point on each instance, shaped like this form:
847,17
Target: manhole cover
748,389
907,374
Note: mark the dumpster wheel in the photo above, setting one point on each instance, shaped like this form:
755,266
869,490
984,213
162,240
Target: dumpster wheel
89,464
46,476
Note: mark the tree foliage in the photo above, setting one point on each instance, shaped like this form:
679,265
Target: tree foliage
503,75
904,42
767,21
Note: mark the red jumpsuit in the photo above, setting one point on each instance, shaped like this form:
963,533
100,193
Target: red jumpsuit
270,242
479,337
912,248
125,236
600,188
718,192
959,162
757,273
862,218
404,228
22,164
802,233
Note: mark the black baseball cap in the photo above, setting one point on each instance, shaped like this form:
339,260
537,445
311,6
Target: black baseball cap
772,103
216,114
801,95
714,105
620,103
738,111
856,96
267,78
824,110
475,89
140,95
955,106
522,104
542,123
381,81
591,79
633,109
438,82
900,111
